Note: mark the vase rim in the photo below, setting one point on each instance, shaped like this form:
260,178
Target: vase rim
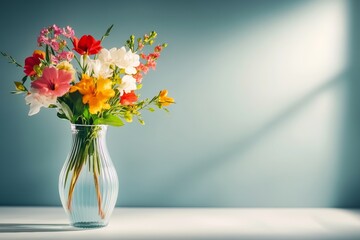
87,125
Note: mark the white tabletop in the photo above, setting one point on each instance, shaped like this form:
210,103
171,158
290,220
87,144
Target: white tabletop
186,223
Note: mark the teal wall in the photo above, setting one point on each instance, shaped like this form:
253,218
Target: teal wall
267,111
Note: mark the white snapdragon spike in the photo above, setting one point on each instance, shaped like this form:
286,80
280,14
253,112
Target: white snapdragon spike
37,100
98,69
126,60
128,84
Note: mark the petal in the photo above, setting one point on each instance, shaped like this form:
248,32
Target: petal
34,109
63,77
130,70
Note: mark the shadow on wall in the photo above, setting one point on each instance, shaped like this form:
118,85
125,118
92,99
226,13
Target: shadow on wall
349,169
215,159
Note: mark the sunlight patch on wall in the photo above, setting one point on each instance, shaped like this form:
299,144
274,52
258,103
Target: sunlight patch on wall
278,83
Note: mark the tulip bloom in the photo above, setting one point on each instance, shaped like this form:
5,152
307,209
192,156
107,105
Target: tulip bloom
87,45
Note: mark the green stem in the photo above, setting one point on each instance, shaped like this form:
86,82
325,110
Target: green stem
85,142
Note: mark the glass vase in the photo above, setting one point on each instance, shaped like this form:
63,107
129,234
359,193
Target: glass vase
88,183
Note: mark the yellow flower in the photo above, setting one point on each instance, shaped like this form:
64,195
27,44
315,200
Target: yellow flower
65,65
164,100
96,92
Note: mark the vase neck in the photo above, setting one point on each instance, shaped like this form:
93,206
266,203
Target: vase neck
95,131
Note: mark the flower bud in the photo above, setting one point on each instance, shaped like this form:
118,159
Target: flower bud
153,34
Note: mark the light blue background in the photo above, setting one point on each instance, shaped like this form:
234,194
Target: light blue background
267,111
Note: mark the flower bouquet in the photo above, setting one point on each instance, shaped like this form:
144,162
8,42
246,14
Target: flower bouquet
92,87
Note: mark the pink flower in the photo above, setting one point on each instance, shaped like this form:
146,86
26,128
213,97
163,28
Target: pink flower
154,55
140,45
143,56
44,31
55,44
68,32
158,48
68,56
138,76
142,68
43,37
57,30
54,59
151,64
43,40
53,82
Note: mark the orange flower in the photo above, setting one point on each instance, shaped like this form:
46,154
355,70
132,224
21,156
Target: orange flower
95,92
128,98
164,100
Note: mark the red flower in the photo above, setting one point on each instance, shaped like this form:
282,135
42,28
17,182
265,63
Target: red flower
32,61
86,45
128,98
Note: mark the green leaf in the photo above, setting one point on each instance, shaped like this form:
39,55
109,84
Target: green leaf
107,33
66,110
11,59
16,92
23,80
110,120
47,55
142,122
151,109
74,101
86,113
61,115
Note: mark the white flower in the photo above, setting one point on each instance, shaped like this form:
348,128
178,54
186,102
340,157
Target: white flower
96,68
106,56
127,60
119,57
99,69
37,100
128,83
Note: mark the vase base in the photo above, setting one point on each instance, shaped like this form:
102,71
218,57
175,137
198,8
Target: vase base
89,225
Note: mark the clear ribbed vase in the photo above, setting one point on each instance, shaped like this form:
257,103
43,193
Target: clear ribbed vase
88,183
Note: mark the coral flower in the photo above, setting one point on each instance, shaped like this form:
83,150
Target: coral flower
87,45
95,93
53,82
32,61
164,100
128,98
